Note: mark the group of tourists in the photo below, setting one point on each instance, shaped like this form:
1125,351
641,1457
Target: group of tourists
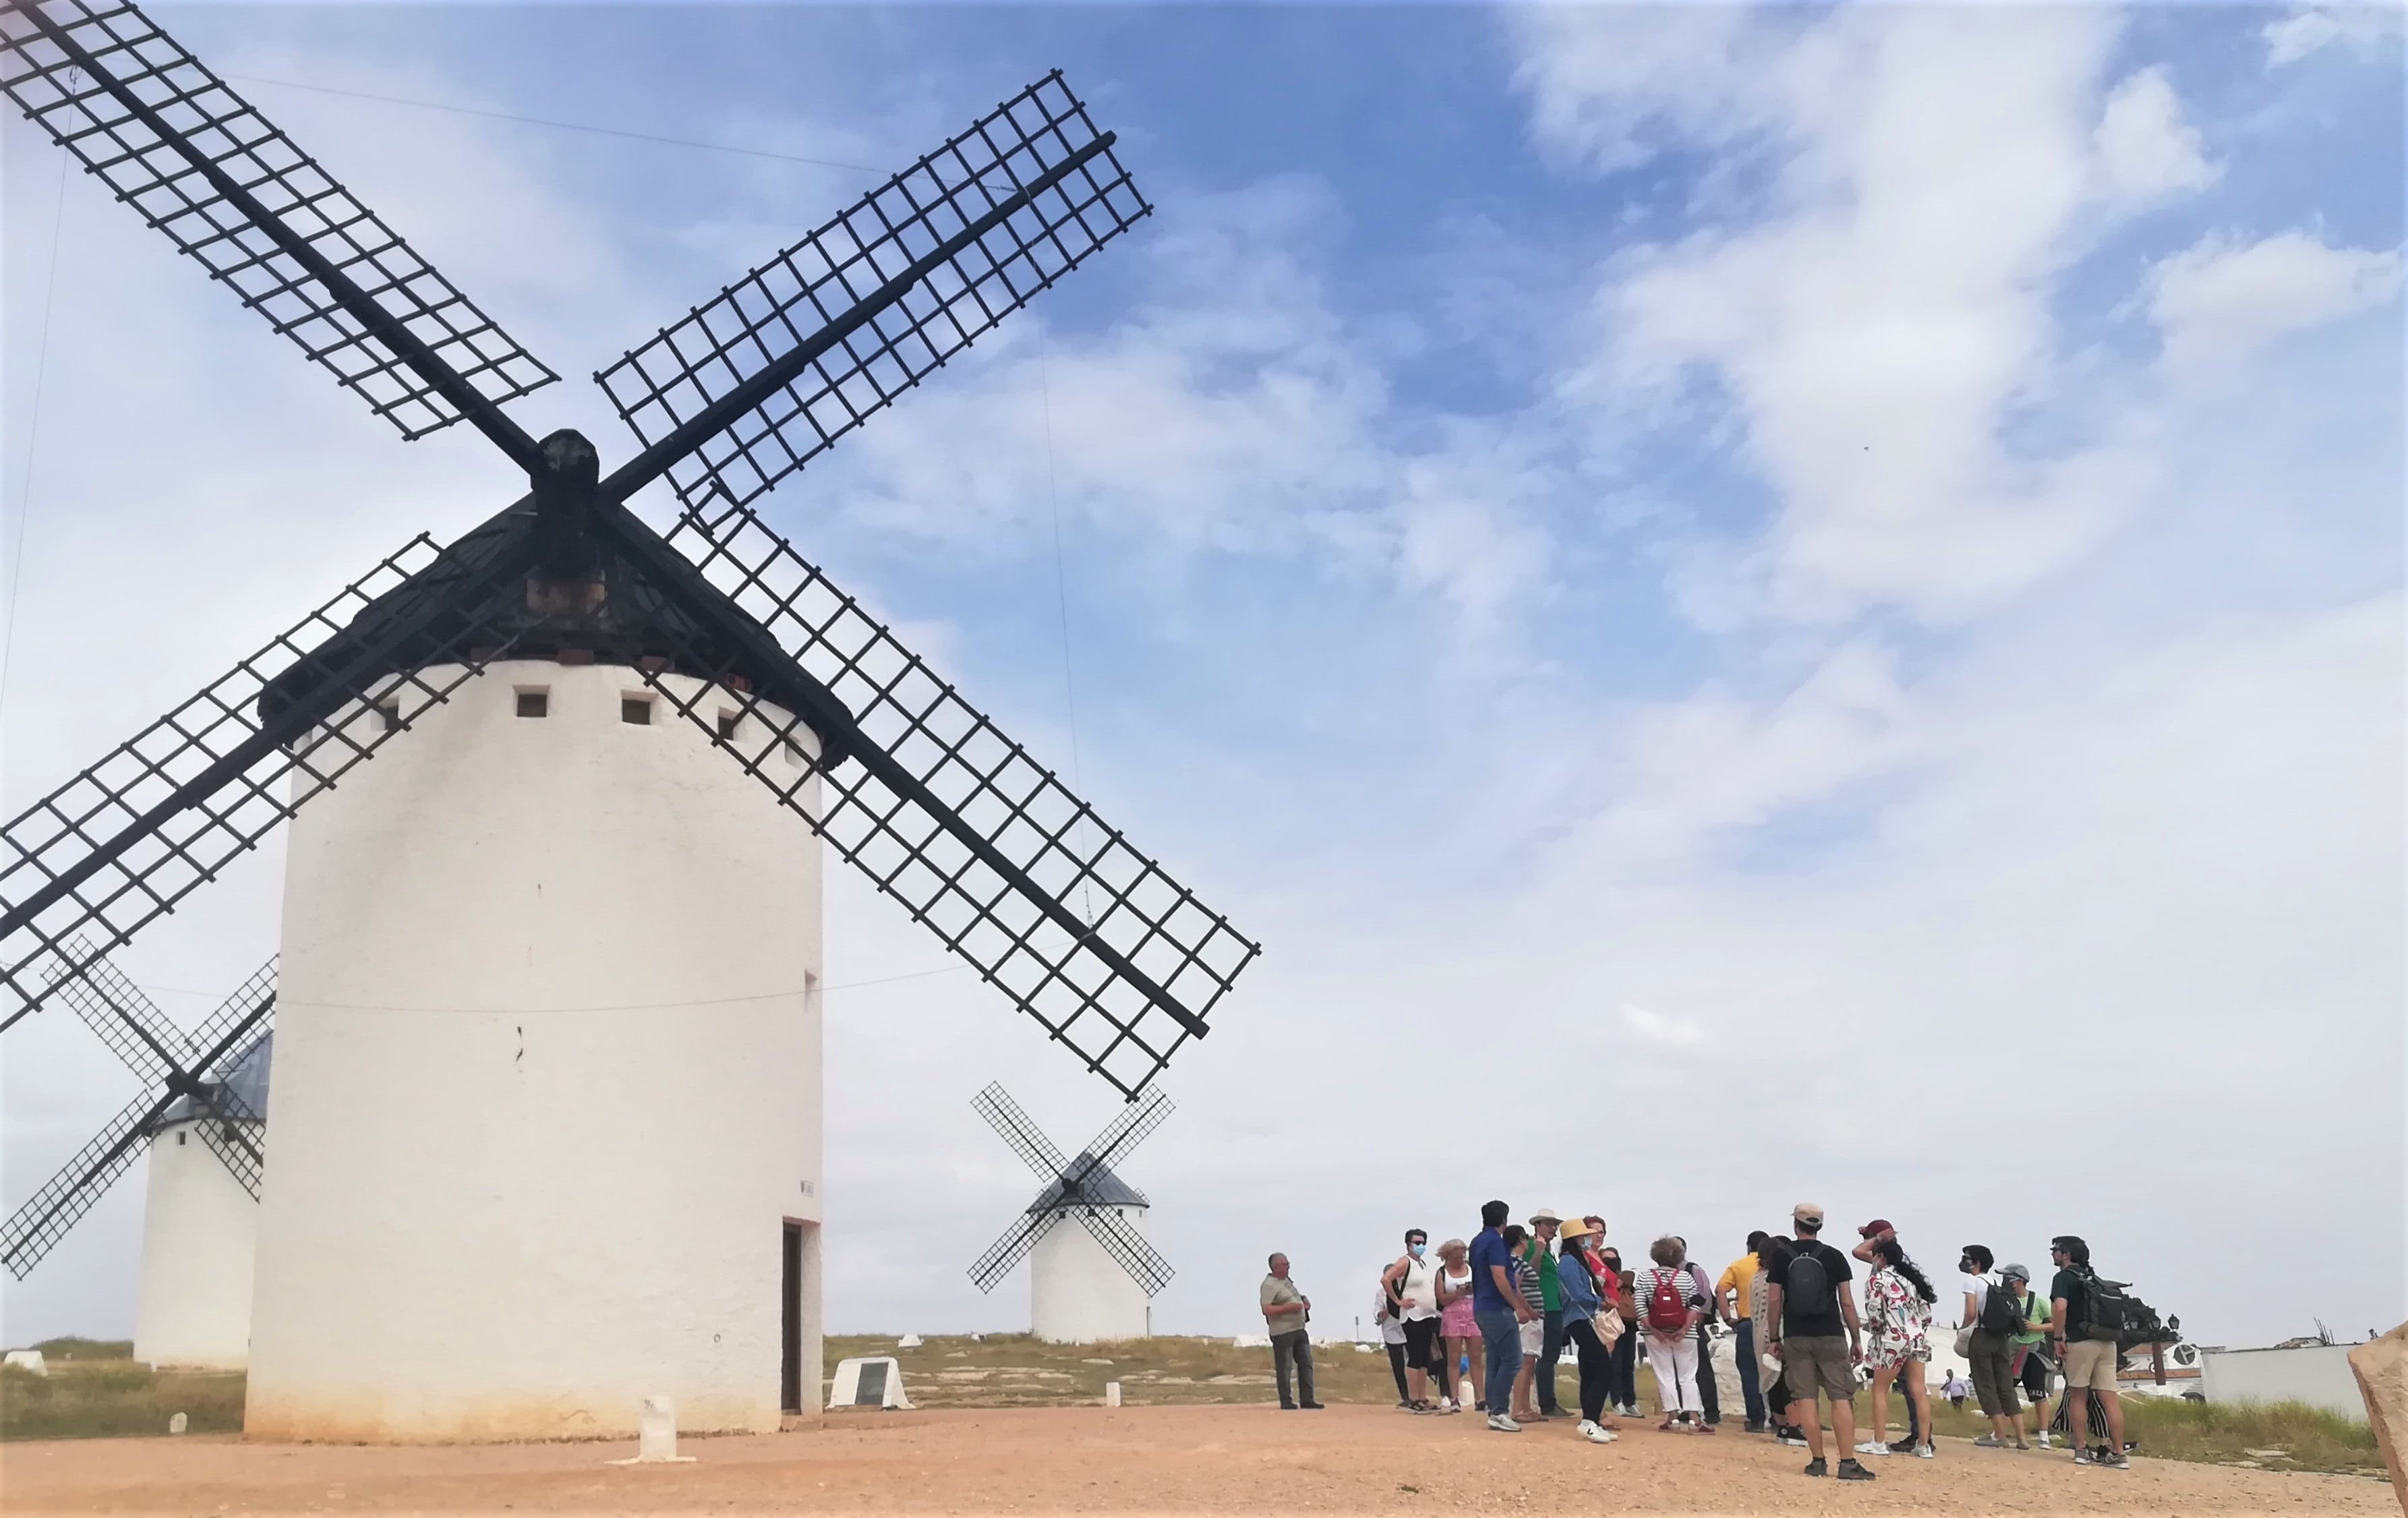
1485,1323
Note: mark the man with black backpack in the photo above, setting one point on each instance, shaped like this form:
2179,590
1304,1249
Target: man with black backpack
1993,1316
2086,1326
1808,1305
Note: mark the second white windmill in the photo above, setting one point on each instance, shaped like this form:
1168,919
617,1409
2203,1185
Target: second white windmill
1093,1282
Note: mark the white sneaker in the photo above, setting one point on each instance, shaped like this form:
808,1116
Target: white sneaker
1924,1452
1597,1433
1503,1424
2044,1443
1872,1446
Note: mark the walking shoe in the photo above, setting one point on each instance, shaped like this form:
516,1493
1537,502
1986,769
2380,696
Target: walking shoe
1407,1407
2021,1445
1872,1446
1708,1428
1792,1438
1902,1446
1755,1428
1449,1405
1854,1471
2117,1461
2080,1454
1816,1467
1309,1406
1990,1442
1597,1433
1924,1452
2044,1442
1499,1423
1287,1407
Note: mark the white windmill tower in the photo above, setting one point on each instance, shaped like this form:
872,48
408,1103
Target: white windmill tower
547,1059
202,1122
1091,1283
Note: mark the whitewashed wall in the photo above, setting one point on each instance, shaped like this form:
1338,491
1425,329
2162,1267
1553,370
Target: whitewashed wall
547,1076
199,1227
2317,1374
1078,1294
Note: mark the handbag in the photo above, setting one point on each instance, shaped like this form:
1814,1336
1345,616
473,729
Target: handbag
1964,1343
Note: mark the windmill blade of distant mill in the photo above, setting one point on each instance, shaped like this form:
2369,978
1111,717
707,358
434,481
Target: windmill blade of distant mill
119,845
1019,1130
34,1228
171,139
43,1221
1117,961
238,1137
1012,1248
235,1133
1134,1124
127,1021
1149,1270
831,330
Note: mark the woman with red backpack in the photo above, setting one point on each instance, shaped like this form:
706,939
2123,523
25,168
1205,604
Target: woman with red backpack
1671,1306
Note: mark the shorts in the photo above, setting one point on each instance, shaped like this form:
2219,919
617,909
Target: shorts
2035,1372
1421,1343
1534,1339
2089,1363
1817,1362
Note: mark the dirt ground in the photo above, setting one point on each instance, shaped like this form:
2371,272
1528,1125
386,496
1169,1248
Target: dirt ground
1131,1460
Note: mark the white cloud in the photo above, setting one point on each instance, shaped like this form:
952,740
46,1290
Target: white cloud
2310,29
2219,301
1886,313
1662,1031
2145,150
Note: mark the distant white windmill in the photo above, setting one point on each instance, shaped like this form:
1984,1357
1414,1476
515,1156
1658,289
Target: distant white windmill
1093,1281
202,1124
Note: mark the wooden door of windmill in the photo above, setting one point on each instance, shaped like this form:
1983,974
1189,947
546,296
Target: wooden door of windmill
789,1322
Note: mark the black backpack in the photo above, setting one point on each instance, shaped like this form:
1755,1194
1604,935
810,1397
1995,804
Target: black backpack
2002,1314
1806,1289
2105,1308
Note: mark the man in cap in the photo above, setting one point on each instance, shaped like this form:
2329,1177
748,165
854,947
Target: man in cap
1814,1329
1537,1258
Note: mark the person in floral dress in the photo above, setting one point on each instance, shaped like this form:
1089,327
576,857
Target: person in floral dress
1898,1340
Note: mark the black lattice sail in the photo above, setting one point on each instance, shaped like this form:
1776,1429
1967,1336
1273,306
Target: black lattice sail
1118,962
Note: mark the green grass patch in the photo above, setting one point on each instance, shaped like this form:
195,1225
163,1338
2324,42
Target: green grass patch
93,1398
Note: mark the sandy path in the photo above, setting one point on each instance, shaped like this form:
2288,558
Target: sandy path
1131,1460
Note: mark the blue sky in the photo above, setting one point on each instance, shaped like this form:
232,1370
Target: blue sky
1691,572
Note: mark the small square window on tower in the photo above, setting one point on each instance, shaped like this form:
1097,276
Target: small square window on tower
637,710
535,703
729,725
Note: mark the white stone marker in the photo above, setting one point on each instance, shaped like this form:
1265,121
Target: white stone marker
656,1435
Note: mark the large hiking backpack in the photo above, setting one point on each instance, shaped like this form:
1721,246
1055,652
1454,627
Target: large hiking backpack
1668,1302
2003,1312
1806,1288
2103,1315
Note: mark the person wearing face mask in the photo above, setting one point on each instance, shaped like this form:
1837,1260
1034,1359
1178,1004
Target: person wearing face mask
1411,1288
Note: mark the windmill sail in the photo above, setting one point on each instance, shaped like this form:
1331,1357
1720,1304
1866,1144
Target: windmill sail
123,842
871,302
174,142
1119,962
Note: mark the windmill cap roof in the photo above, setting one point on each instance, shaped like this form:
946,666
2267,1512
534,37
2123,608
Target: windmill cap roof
242,1075
1101,1188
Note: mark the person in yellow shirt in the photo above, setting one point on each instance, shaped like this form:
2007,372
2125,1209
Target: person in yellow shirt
1731,1299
